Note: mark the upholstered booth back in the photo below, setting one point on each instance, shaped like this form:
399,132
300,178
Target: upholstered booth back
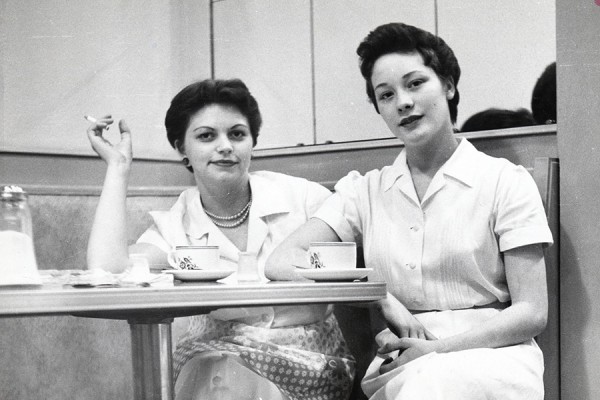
67,357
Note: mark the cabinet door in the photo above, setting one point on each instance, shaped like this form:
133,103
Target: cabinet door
502,48
266,43
343,110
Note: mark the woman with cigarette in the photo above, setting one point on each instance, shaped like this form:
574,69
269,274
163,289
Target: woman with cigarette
457,236
214,125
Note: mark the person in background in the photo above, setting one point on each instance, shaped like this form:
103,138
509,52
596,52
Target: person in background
456,235
498,118
543,98
268,352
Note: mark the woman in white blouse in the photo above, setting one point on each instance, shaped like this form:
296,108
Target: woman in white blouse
457,236
249,353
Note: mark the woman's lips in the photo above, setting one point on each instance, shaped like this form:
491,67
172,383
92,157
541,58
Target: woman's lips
409,120
224,163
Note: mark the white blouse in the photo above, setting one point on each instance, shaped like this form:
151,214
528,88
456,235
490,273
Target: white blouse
280,204
444,252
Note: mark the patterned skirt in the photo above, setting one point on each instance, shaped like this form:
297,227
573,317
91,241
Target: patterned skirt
305,362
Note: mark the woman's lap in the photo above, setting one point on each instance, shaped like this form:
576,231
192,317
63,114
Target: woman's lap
221,376
303,362
513,372
507,373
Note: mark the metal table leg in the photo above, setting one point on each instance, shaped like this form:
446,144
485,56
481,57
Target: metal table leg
152,359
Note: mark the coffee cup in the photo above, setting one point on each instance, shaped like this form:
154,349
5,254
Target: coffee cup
332,255
194,257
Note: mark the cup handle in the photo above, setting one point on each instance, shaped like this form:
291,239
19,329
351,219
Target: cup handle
172,259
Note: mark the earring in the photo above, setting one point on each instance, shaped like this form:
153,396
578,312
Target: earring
186,161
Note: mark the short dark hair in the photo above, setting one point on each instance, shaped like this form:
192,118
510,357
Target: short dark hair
498,118
197,95
397,37
543,98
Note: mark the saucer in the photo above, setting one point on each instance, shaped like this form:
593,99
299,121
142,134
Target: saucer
324,274
199,274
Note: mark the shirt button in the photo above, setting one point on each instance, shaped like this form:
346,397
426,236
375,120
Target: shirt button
411,266
414,228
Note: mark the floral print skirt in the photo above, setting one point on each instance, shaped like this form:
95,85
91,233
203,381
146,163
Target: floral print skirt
308,362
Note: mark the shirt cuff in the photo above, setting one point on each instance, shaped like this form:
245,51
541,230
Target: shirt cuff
525,236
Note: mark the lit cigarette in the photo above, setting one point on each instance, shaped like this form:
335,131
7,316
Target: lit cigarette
92,120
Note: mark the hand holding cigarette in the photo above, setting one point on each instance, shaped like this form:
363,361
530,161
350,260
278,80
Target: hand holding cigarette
103,123
119,154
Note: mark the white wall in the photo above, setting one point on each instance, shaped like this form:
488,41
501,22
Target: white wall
578,69
63,59
502,48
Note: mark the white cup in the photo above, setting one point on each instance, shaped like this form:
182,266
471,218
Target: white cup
247,267
332,255
139,265
194,257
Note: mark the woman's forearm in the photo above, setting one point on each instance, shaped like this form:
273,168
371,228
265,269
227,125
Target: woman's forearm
400,320
516,324
527,315
107,246
292,251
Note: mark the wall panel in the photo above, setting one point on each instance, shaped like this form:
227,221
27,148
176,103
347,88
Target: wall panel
502,48
63,59
343,111
266,43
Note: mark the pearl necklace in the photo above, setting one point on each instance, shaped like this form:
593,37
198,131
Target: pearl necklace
236,220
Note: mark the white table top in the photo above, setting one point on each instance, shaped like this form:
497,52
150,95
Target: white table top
182,299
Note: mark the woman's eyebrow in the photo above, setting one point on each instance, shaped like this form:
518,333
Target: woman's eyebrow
242,125
404,77
203,127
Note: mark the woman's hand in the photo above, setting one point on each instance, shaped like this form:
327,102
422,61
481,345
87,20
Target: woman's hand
409,349
401,322
117,154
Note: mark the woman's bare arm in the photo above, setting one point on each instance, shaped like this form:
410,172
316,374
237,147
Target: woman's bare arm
292,251
107,246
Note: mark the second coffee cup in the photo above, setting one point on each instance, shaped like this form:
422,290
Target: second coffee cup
332,255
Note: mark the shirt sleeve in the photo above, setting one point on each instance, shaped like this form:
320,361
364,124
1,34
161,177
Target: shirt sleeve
316,194
342,211
520,216
167,230
153,236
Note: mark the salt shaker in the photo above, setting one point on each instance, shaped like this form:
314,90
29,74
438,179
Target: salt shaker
17,254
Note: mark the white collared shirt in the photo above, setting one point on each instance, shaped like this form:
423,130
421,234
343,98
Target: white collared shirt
443,252
280,204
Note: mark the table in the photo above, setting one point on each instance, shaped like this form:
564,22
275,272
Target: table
150,312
